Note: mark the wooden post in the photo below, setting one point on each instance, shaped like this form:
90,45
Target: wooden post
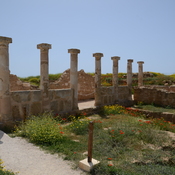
90,141
24,114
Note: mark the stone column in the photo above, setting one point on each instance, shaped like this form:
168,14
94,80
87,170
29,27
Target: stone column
129,73
5,101
140,74
74,75
115,77
44,66
98,99
44,75
129,77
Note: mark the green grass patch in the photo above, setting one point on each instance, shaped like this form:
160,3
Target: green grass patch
155,108
124,141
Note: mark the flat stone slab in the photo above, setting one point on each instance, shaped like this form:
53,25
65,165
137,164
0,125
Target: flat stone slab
87,166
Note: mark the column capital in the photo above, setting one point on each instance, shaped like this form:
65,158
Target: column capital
130,60
115,58
140,62
97,55
44,46
73,51
5,40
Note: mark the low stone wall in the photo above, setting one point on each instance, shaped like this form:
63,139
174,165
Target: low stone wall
155,96
26,103
124,96
107,94
167,88
150,114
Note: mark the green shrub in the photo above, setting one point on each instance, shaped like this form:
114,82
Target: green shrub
79,127
114,109
41,130
35,81
54,77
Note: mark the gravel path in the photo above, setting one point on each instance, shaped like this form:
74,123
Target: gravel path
20,156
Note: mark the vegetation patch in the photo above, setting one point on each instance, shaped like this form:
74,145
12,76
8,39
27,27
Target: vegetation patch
125,142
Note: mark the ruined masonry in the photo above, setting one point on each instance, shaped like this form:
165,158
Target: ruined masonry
25,100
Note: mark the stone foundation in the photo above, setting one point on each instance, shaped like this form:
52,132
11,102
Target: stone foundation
25,103
154,95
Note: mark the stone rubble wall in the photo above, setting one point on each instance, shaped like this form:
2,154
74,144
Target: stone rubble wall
124,96
107,94
167,88
17,85
86,85
26,103
152,95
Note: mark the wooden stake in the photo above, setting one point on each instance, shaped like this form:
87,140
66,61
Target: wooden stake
90,141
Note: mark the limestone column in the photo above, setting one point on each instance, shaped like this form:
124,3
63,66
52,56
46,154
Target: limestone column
44,75
115,76
129,77
5,101
74,75
140,74
44,66
98,99
129,73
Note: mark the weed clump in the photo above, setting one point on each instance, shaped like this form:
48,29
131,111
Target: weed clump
41,130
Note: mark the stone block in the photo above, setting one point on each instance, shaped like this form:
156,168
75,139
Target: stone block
87,166
54,106
36,108
36,96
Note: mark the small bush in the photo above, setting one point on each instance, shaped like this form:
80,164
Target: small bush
35,81
79,127
41,130
54,77
114,109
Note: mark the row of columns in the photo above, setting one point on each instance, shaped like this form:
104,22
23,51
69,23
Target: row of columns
5,103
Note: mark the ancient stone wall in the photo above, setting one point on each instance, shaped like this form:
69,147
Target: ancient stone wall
155,96
124,96
86,85
17,85
26,103
107,94
167,88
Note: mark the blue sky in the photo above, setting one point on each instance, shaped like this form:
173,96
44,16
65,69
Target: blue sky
142,30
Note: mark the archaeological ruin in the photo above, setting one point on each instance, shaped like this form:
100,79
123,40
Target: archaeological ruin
19,100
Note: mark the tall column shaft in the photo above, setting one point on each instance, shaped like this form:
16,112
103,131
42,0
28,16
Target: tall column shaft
74,75
44,66
129,77
129,73
5,101
98,56
140,74
44,74
115,76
